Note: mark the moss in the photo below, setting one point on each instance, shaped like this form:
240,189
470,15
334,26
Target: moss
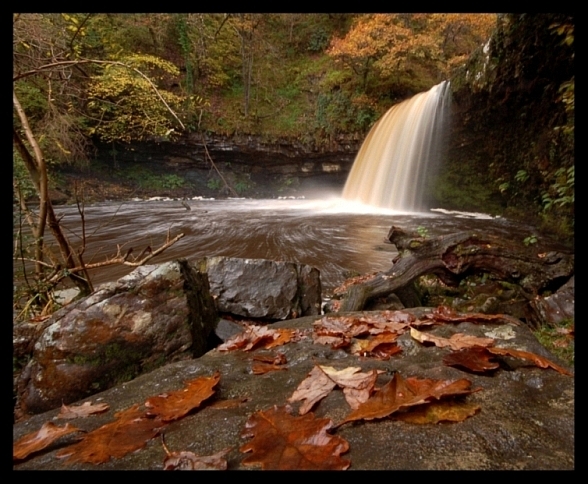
560,344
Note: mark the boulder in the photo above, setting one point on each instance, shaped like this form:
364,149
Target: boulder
525,418
154,315
258,288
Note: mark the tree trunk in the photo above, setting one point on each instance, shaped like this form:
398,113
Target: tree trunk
454,257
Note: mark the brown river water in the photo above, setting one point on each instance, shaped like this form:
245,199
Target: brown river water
333,235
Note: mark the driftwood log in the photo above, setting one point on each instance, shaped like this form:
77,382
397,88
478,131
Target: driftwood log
456,256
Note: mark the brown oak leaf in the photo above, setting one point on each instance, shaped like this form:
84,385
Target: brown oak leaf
36,441
80,411
435,412
280,441
131,431
474,359
399,393
174,405
457,341
540,361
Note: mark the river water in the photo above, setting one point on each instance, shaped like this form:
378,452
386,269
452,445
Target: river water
332,235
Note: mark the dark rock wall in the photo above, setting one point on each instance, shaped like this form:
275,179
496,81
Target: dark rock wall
506,104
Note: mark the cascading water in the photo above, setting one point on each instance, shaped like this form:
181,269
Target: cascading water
391,166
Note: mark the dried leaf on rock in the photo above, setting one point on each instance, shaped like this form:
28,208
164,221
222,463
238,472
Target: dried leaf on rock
174,405
382,346
457,341
399,393
334,342
342,326
188,461
316,386
540,361
281,441
261,367
435,412
39,440
357,386
80,411
474,359
258,337
129,432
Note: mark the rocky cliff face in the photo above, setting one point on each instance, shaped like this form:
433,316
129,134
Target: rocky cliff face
505,144
250,153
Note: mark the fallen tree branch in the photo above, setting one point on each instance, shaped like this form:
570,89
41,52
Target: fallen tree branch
454,257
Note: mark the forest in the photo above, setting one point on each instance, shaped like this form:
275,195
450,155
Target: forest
85,80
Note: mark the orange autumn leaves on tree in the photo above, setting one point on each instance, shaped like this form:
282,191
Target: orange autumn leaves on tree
387,43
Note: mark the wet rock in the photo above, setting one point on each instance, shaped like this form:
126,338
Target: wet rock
554,309
154,315
258,288
526,419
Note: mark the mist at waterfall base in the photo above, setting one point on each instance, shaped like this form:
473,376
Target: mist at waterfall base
401,153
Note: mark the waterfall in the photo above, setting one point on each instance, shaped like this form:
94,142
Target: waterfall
391,167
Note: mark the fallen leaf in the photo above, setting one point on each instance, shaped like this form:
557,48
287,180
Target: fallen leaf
435,412
261,368
36,441
382,345
277,359
399,393
281,441
131,431
316,386
174,405
188,461
474,359
80,411
357,386
341,326
265,363
457,341
540,361
258,337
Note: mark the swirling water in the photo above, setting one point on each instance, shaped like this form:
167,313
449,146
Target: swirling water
333,235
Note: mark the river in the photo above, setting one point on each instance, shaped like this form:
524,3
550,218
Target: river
335,236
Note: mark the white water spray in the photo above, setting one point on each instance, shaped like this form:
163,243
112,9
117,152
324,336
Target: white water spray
391,167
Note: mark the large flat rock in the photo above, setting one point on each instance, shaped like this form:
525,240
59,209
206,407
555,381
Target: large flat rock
526,419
